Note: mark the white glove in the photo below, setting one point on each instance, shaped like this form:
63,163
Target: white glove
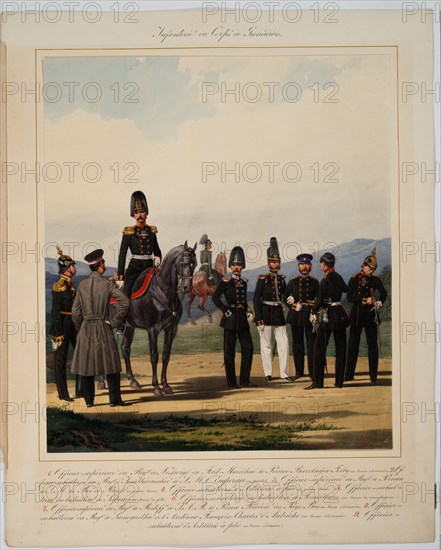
119,284
250,316
57,342
298,307
228,314
157,261
290,300
313,318
378,304
261,328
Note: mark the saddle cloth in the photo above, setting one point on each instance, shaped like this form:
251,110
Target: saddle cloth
143,288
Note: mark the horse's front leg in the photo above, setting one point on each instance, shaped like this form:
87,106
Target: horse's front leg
202,307
191,297
154,356
168,342
126,347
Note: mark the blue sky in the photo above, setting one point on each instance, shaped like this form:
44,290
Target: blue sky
159,96
171,133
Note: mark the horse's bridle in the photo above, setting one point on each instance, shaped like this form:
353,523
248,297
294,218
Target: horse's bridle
184,271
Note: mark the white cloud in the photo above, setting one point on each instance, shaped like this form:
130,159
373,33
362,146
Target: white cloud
354,134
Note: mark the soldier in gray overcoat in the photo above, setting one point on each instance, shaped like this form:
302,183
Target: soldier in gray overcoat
96,352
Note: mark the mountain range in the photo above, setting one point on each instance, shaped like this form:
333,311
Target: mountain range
349,257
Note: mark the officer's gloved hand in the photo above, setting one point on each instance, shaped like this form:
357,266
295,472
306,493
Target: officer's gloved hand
157,261
261,328
119,284
227,313
378,304
290,300
57,342
250,316
298,307
313,318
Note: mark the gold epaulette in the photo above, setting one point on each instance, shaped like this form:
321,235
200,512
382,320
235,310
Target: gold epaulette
261,277
356,275
283,276
154,229
59,286
130,230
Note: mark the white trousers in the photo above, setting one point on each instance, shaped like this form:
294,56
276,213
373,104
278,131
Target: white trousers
281,337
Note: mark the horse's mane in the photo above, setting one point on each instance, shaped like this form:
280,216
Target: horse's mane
220,264
172,255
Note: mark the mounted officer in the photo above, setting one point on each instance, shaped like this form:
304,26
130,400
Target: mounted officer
142,241
300,294
235,320
213,277
362,290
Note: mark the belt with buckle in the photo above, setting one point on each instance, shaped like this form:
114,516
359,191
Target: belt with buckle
144,257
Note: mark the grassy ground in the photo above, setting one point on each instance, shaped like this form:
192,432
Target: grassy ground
68,432
208,337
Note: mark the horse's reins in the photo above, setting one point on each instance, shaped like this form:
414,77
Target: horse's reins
165,305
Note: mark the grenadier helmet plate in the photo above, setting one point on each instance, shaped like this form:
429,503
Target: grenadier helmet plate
64,261
138,203
237,257
272,252
371,260
304,258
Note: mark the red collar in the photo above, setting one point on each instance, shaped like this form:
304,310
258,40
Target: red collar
331,270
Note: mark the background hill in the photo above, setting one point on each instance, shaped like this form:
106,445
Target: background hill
206,337
349,256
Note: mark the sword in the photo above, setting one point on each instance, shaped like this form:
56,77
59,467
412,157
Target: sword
377,321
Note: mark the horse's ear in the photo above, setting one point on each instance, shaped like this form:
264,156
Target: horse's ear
186,245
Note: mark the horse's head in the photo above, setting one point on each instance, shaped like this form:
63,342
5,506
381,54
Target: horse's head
185,266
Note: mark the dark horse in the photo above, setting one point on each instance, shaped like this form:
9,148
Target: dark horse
159,309
202,289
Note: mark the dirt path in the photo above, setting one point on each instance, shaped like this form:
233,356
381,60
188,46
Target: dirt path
360,410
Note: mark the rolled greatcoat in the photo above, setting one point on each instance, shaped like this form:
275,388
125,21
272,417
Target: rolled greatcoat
96,352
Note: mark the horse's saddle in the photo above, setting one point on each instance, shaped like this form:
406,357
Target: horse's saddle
141,285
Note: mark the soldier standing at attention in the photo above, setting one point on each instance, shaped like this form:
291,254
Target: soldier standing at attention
364,314
142,241
235,320
62,328
96,353
300,294
269,313
329,317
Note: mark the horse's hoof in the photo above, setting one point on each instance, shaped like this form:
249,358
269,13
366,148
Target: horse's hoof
135,385
158,392
167,390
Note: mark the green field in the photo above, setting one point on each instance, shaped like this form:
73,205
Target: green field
208,337
71,432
